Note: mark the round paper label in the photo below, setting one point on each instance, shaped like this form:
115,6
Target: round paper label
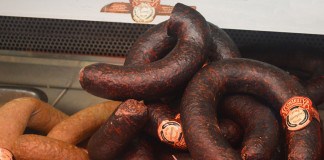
297,118
143,13
298,112
171,132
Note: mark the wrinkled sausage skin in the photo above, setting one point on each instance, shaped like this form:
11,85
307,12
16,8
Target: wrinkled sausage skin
118,131
152,45
159,78
315,89
139,150
261,129
306,62
155,44
159,112
265,81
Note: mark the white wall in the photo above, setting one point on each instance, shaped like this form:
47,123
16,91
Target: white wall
300,16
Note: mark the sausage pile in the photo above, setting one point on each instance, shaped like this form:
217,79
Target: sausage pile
230,107
186,92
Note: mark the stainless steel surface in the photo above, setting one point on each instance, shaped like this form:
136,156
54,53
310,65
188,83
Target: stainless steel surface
67,57
46,70
56,76
8,93
76,99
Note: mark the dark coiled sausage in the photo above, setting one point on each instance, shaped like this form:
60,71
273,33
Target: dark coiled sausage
306,62
315,89
160,114
152,45
164,152
155,43
198,110
261,130
223,46
163,125
176,155
159,78
139,150
231,131
119,129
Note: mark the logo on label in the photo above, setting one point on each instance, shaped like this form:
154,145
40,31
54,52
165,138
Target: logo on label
171,132
142,11
298,112
297,118
5,154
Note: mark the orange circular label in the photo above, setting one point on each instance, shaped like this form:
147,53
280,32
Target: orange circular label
5,154
298,112
171,132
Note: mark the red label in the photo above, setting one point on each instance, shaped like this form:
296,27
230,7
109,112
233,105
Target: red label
298,112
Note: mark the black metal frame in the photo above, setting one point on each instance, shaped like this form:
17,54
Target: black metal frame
110,39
